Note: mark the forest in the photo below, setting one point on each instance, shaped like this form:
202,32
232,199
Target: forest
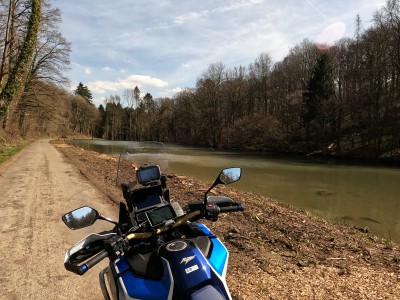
34,57
338,100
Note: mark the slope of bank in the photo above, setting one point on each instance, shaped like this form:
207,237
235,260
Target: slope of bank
276,251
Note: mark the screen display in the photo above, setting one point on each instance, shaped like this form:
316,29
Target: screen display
148,174
159,215
147,200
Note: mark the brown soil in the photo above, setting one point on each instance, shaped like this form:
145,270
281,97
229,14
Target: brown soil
38,186
276,251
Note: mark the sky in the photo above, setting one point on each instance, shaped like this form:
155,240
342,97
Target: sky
163,46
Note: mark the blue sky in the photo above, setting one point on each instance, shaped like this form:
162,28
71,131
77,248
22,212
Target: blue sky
163,46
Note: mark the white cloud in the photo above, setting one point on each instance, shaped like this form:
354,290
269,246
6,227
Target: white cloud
142,81
170,93
108,69
170,44
180,20
237,5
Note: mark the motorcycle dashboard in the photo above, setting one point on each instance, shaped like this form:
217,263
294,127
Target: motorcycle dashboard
160,215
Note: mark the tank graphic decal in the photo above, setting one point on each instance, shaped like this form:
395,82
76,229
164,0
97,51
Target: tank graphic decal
185,260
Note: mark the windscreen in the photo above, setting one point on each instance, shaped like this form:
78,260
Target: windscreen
137,154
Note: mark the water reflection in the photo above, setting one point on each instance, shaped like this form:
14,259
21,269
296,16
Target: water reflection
361,195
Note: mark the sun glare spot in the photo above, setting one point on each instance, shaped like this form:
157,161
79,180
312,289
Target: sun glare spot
330,35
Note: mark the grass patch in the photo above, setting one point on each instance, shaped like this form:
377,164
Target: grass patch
7,151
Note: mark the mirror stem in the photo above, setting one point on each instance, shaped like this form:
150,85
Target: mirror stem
107,219
205,195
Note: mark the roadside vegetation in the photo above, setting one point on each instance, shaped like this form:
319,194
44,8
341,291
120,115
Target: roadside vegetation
8,151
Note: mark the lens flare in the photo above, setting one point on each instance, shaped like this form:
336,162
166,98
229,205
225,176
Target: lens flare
330,35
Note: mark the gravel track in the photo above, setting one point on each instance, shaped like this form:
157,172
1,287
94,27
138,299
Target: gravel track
37,187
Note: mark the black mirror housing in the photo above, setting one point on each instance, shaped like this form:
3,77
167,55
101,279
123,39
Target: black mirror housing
81,217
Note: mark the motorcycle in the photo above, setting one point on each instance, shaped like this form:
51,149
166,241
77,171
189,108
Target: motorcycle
157,249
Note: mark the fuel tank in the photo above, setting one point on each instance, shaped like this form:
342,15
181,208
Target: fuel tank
177,271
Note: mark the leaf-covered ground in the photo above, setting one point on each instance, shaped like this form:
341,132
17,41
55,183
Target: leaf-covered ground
276,251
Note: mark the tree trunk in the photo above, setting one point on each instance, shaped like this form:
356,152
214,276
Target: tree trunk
17,80
7,42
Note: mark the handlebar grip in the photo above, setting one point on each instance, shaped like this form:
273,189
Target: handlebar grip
82,269
95,260
234,208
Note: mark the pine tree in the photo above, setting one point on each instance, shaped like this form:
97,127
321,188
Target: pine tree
84,92
319,89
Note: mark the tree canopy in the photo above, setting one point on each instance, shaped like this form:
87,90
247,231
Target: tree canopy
342,99
84,92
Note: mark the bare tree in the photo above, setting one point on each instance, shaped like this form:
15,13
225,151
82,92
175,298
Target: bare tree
18,78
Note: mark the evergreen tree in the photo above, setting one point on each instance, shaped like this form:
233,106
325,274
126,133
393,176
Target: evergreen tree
319,89
84,92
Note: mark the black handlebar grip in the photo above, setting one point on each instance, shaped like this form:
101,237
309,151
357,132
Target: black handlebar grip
234,208
82,269
95,260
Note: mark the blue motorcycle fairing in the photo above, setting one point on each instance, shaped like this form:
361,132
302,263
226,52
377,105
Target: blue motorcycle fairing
219,255
191,271
189,267
133,287
205,230
185,271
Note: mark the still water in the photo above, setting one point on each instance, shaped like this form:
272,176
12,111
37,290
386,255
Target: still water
366,196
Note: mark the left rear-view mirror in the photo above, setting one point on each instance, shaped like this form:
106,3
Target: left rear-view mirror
81,217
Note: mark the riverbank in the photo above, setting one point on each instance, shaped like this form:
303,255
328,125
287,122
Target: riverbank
391,159
276,251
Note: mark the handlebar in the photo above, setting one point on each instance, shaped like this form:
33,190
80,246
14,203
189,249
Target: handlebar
179,222
82,269
234,208
210,214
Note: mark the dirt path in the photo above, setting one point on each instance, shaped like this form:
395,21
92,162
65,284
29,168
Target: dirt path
37,187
